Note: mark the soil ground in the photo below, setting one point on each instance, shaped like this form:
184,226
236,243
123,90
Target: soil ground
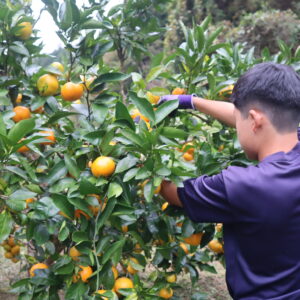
211,284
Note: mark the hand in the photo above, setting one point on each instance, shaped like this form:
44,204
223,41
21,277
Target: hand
185,101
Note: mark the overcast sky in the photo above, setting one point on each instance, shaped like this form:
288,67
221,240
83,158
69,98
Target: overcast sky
48,28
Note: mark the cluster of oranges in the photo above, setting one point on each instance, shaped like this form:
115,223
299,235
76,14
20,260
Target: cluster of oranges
12,249
188,151
86,272
48,85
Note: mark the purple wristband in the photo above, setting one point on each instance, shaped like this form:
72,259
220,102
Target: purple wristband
186,102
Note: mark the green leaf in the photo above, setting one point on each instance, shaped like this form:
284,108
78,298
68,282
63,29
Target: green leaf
59,115
41,234
63,204
57,172
2,126
102,49
100,112
86,187
63,232
200,38
76,290
126,163
133,137
173,133
16,200
123,114
154,73
19,48
115,247
143,105
80,236
21,129
213,36
6,225
165,109
130,174
65,270
17,171
77,202
206,22
106,213
71,166
110,77
114,190
65,15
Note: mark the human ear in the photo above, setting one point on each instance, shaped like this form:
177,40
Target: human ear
256,119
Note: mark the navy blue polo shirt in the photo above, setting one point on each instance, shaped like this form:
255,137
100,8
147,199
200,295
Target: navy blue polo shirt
260,208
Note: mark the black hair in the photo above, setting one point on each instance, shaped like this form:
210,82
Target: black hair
273,88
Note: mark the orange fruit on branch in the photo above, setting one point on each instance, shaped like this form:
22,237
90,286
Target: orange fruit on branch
130,269
21,113
184,247
178,91
216,246
188,156
101,292
25,30
47,85
8,255
164,206
123,283
187,147
124,228
49,135
39,110
58,66
103,166
29,200
38,266
226,92
87,81
15,250
136,114
194,239
85,273
152,98
79,212
166,293
19,98
115,272
157,189
71,91
74,253
11,241
23,149
171,278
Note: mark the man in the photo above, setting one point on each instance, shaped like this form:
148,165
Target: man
259,205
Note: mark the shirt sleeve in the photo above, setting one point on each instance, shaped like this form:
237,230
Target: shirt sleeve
204,199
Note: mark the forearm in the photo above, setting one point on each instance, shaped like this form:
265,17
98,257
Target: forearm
169,193
220,110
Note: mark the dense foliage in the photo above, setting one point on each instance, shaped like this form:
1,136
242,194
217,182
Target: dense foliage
84,148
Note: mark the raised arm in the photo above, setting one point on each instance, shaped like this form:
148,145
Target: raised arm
220,110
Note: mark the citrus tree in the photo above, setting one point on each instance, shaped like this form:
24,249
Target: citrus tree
84,148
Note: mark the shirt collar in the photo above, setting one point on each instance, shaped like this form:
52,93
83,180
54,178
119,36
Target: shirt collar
286,155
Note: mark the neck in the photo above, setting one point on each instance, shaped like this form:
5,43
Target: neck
277,143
